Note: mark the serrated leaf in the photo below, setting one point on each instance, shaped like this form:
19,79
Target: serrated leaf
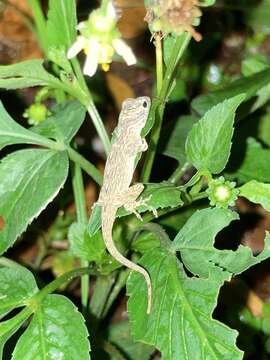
160,196
57,331
64,123
257,192
208,144
195,241
255,165
84,246
180,324
17,285
26,74
12,133
249,85
61,24
29,180
174,144
120,336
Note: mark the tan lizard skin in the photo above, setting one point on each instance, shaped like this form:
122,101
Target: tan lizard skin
116,190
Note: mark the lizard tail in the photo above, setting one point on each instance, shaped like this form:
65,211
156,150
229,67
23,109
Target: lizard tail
107,226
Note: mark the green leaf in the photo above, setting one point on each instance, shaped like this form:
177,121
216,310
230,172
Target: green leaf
195,241
174,144
64,123
61,24
57,331
120,336
257,192
180,324
208,144
84,246
30,179
159,195
12,133
26,74
259,16
255,165
17,285
249,85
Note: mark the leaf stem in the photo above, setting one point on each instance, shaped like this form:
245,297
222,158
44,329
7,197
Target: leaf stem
40,22
80,203
179,172
158,105
86,165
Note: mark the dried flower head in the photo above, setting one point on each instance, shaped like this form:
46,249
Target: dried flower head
173,16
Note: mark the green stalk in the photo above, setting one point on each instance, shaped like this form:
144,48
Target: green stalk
78,190
92,111
159,104
57,283
88,167
40,22
179,172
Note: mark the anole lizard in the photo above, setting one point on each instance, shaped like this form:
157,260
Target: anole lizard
119,168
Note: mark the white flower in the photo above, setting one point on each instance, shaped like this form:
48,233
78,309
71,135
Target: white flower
100,39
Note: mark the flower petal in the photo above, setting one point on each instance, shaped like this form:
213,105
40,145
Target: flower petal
91,62
125,51
76,47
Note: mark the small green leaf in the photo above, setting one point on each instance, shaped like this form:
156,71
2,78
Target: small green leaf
57,331
174,137
180,324
64,123
196,240
95,220
27,73
61,24
255,165
249,85
30,179
208,144
17,285
257,192
12,133
84,246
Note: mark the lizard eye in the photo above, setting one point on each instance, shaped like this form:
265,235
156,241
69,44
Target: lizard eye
145,104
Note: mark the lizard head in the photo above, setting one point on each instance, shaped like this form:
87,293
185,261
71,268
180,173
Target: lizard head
136,111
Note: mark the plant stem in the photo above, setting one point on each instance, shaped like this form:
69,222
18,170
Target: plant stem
179,172
80,203
159,103
102,290
159,63
86,165
57,283
40,22
92,111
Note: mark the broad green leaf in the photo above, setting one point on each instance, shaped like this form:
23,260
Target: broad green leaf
152,235
195,241
17,285
159,196
64,123
61,24
255,165
12,133
57,331
120,336
180,324
208,144
84,246
257,192
26,74
29,181
174,137
249,85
